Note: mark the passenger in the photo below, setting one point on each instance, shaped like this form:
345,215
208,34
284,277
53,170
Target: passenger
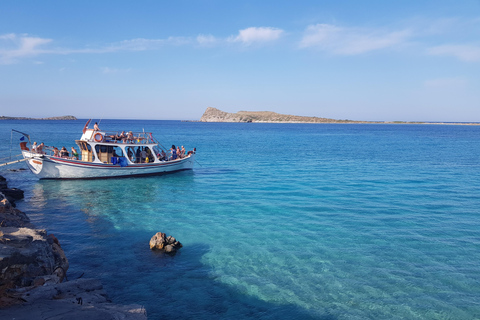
143,154
34,147
40,148
130,154
149,155
137,155
56,153
121,136
74,153
96,127
178,153
182,152
64,152
163,156
129,137
173,152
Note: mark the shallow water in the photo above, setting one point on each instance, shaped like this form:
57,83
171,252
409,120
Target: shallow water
278,221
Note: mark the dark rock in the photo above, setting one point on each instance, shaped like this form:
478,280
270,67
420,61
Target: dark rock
163,243
14,193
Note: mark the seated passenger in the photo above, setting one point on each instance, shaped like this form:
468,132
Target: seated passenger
34,147
163,155
56,153
64,152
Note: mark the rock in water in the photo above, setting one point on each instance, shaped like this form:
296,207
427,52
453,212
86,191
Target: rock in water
158,241
161,242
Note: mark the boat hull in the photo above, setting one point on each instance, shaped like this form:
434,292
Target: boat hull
49,167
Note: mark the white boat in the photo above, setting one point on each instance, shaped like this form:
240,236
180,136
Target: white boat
105,154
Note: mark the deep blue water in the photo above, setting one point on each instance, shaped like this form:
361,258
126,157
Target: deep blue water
278,221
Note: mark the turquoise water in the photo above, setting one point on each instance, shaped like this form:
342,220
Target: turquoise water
278,221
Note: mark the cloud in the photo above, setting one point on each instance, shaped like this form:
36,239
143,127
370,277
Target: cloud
351,41
468,53
14,47
257,35
141,44
107,70
206,40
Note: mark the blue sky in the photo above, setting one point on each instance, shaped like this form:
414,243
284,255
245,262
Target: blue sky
358,60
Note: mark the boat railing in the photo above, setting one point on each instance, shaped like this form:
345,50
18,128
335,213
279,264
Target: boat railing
118,137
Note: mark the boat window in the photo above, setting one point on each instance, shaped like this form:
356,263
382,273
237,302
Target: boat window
117,152
84,146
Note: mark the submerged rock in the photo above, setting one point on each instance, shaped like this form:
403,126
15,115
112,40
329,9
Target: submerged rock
161,242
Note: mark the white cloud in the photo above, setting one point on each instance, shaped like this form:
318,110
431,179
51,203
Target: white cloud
351,41
206,40
469,53
107,70
14,47
141,44
257,35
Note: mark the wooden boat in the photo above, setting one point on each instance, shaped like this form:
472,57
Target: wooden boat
105,154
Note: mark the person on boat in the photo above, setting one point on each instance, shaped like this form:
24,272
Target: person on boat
130,154
162,155
96,127
121,136
149,155
137,155
64,152
178,152
74,153
143,155
40,148
182,152
34,147
56,153
129,137
173,152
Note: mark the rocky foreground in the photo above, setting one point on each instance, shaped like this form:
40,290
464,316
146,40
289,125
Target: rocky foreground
33,269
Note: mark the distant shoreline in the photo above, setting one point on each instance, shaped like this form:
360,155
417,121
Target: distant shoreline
50,118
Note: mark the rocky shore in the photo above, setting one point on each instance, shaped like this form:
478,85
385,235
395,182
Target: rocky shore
33,274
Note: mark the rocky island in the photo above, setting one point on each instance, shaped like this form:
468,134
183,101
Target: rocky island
50,118
215,115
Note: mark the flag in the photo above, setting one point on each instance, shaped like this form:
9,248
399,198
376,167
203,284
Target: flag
22,138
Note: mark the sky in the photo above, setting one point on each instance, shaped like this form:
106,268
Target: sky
409,60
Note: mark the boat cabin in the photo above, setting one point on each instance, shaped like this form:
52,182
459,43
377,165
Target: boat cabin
117,148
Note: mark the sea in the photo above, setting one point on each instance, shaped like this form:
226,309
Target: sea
277,221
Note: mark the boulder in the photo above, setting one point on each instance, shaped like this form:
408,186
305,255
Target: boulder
161,242
11,217
28,254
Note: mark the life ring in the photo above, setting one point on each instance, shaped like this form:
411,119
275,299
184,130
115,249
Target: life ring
98,137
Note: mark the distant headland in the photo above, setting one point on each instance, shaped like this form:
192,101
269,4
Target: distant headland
51,118
215,115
